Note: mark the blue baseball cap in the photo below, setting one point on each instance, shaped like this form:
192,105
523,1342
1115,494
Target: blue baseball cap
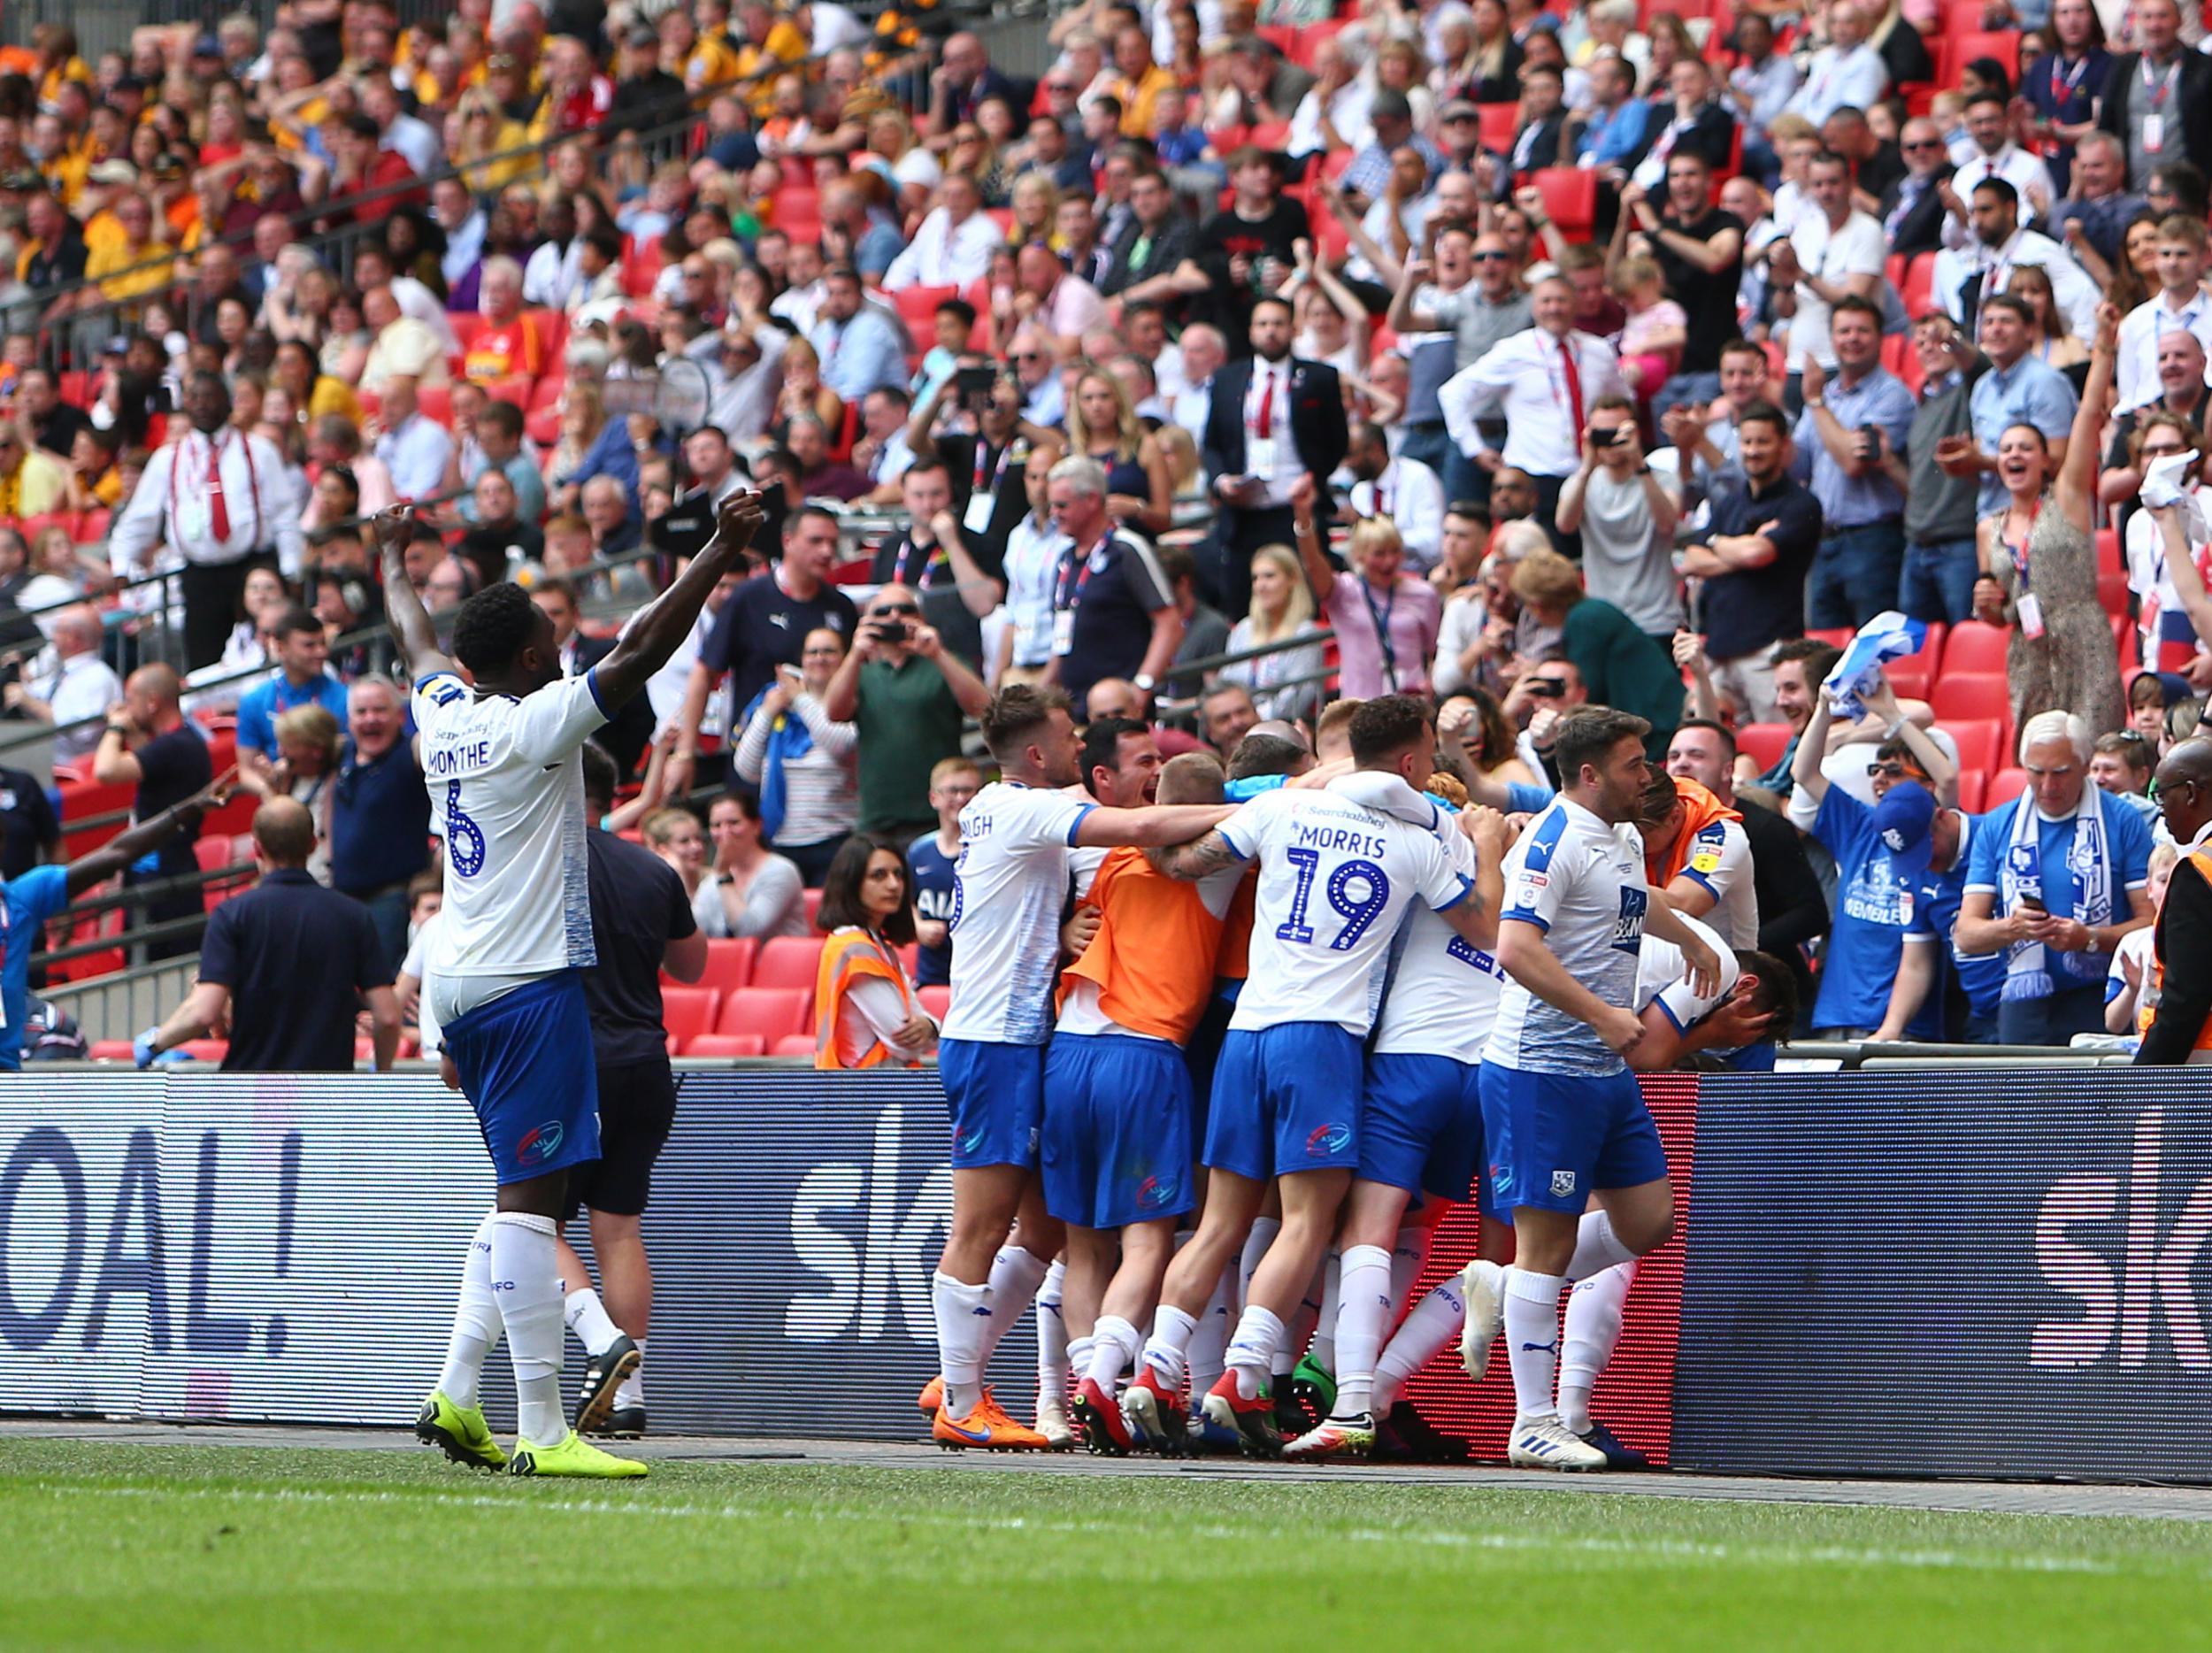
1904,821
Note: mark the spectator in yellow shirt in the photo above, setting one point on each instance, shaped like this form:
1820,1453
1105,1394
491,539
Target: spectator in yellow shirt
1143,83
138,265
33,482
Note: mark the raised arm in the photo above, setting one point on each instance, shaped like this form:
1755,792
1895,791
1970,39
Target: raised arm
1320,575
2181,568
1812,746
126,847
2078,471
403,612
650,640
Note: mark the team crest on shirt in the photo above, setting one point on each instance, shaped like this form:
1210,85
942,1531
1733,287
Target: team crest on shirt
1563,1183
1628,929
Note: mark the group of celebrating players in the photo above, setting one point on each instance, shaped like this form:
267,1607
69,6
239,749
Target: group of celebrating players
1322,1003
1310,1006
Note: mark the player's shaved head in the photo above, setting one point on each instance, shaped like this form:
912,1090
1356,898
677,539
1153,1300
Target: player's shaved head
1193,778
284,832
1258,754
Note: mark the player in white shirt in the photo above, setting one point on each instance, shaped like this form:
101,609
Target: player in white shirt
1707,865
503,762
1008,888
1754,998
1336,875
1562,1118
1420,1133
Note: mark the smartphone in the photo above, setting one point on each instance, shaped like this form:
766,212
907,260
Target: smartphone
1870,441
1546,689
2034,904
974,381
1614,437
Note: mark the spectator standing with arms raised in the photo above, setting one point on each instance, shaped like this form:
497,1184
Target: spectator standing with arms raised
1386,619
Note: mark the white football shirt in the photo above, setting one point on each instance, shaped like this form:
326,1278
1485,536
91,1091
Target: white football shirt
1008,891
1443,990
1720,859
1581,882
1335,880
506,780
1659,977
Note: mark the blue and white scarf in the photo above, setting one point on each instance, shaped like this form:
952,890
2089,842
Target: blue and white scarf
2031,969
789,740
1889,635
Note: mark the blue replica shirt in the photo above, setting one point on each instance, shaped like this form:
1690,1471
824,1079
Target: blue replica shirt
1875,906
2129,856
1981,976
260,706
30,900
931,870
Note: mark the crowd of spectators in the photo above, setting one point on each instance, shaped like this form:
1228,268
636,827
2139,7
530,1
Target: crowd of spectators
1523,358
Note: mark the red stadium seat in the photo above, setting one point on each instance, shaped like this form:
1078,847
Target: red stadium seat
2108,550
687,1012
1981,743
796,1044
208,1050
813,899
436,404
1271,134
466,325
1763,742
936,999
771,1012
1834,636
1919,282
1500,124
110,1050
726,1045
1282,36
917,305
515,388
788,961
1954,52
1974,646
1958,694
2003,787
543,425
1570,198
729,962
1972,786
2112,590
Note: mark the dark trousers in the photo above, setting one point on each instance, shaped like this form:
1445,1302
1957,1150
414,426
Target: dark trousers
1547,516
1938,581
214,599
813,859
1238,533
2053,1019
1856,574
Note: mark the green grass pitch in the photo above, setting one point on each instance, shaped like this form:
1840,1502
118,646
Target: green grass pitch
114,1546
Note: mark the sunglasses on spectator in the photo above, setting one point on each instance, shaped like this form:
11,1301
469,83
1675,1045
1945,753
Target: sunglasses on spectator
1895,771
1922,143
1493,258
892,611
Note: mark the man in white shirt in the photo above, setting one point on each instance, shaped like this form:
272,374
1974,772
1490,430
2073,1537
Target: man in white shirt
415,141
1204,350
505,766
1967,274
1340,866
222,501
1010,883
1847,74
68,683
1560,1109
402,345
1543,382
1834,250
414,449
1989,124
2180,306
1400,488
953,245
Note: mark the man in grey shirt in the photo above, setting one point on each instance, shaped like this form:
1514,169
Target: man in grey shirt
1626,517
1473,292
1941,510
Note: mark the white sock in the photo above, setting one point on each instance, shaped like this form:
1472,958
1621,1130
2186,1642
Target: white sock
1596,1247
1263,1236
631,1391
1079,1357
1532,1336
1015,1277
1114,1346
1434,1322
1407,1258
526,1274
1322,1346
1361,1319
588,1317
1172,1331
1210,1340
476,1325
961,1311
1594,1325
1052,1333
1252,1350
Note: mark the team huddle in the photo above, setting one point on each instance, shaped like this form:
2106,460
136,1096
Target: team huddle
1311,1008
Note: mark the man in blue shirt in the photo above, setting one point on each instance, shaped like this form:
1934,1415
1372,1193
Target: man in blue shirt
931,861
2017,389
2058,876
1611,134
301,680
858,343
1850,446
26,902
380,813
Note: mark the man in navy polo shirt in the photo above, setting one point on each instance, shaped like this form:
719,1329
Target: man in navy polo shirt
301,680
287,966
1114,613
380,815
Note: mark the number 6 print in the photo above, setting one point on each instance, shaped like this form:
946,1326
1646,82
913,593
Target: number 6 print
463,838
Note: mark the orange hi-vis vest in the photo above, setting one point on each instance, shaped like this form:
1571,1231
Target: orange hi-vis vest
1153,956
1234,958
2200,858
849,956
1700,809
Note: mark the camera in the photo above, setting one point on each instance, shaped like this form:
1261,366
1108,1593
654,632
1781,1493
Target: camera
891,630
1546,689
1614,437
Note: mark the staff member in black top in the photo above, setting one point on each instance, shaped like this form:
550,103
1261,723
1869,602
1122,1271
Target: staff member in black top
149,744
287,966
30,832
1114,613
957,579
641,926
